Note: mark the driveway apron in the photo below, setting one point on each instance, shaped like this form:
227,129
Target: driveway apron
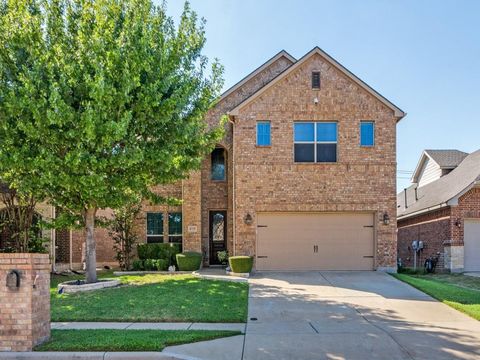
352,315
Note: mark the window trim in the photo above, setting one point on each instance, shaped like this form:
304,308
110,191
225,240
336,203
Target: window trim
162,235
315,142
269,132
373,135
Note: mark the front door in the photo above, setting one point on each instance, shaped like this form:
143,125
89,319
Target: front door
218,234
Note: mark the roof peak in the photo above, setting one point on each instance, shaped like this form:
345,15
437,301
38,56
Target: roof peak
399,113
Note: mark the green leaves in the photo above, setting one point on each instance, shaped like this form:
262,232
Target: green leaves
101,99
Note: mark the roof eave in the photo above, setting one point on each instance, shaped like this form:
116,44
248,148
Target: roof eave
422,211
266,64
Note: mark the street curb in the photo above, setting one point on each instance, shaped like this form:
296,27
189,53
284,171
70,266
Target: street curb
98,355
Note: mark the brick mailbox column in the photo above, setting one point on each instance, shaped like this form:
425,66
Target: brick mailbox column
24,301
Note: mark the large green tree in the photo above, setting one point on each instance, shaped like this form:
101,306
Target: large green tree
100,100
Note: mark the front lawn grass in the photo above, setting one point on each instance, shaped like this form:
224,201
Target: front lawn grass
125,340
153,298
458,291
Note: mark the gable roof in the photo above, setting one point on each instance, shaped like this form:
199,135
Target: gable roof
445,159
258,70
399,113
441,192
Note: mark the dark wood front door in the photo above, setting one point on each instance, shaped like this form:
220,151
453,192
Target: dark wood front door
218,234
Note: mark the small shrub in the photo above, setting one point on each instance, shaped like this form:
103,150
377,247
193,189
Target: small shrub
150,264
137,265
241,264
222,257
161,264
166,251
189,261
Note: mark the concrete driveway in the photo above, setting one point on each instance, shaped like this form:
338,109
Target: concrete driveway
343,315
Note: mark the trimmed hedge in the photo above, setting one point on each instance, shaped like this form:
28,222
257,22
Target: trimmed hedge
137,265
189,261
166,251
150,265
241,264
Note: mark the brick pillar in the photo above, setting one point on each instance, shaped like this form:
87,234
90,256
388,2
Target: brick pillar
192,212
24,310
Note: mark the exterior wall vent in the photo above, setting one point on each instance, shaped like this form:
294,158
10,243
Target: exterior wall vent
316,80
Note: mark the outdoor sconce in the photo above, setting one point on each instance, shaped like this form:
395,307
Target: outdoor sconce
248,219
386,219
458,223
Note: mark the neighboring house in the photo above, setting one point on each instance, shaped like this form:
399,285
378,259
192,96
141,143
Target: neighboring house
304,179
442,209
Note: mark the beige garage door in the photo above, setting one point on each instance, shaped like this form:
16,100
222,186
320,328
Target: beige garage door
315,241
471,239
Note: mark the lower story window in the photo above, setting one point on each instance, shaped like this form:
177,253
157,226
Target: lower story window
154,227
175,227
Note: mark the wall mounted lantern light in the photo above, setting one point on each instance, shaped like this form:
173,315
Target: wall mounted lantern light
386,219
248,219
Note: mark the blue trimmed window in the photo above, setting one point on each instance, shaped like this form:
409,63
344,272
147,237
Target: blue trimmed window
367,133
315,142
263,133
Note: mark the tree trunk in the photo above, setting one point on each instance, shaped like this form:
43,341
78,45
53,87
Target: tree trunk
90,248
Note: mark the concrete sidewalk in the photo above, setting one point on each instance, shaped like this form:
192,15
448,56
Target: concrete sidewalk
148,326
94,355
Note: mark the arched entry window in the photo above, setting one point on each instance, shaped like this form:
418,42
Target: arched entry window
218,164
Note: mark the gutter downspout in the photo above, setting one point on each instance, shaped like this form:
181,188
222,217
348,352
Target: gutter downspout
230,119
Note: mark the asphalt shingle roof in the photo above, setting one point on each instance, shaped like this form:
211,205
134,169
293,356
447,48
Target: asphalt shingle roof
442,190
447,158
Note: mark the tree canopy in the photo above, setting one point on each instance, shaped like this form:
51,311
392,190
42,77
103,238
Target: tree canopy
100,100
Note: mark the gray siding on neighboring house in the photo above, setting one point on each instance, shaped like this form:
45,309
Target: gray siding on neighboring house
430,172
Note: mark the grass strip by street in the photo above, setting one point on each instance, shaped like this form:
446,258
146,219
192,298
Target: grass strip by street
153,298
126,340
458,291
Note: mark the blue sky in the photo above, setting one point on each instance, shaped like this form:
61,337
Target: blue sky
421,55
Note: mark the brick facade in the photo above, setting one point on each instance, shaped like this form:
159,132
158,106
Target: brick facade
441,231
433,229
267,179
362,179
24,311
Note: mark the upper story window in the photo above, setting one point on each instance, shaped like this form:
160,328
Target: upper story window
218,164
367,133
175,227
154,227
315,141
316,80
263,133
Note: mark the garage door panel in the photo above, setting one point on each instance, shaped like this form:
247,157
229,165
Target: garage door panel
471,241
314,241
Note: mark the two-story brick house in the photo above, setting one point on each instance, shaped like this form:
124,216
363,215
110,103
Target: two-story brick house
304,179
